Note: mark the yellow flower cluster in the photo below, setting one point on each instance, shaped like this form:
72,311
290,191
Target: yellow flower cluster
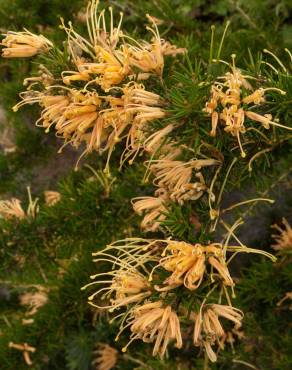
188,264
98,121
111,60
231,97
135,278
108,61
177,181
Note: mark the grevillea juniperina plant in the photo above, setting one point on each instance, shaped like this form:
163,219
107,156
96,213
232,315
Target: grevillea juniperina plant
175,286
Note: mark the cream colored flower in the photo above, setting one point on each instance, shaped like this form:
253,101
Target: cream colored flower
284,239
106,357
52,197
143,104
153,322
208,329
130,253
176,181
27,321
149,57
177,177
153,208
155,141
126,283
11,208
144,107
77,119
24,44
7,135
53,106
34,301
124,287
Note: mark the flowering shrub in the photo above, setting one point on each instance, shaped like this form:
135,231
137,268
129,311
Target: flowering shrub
165,136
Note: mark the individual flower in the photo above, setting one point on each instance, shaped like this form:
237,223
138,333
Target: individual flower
27,321
178,179
144,107
208,329
170,49
231,96
125,287
149,57
153,208
156,142
130,253
155,322
34,301
108,72
24,44
26,349
106,357
101,42
127,280
52,197
174,174
11,208
284,238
